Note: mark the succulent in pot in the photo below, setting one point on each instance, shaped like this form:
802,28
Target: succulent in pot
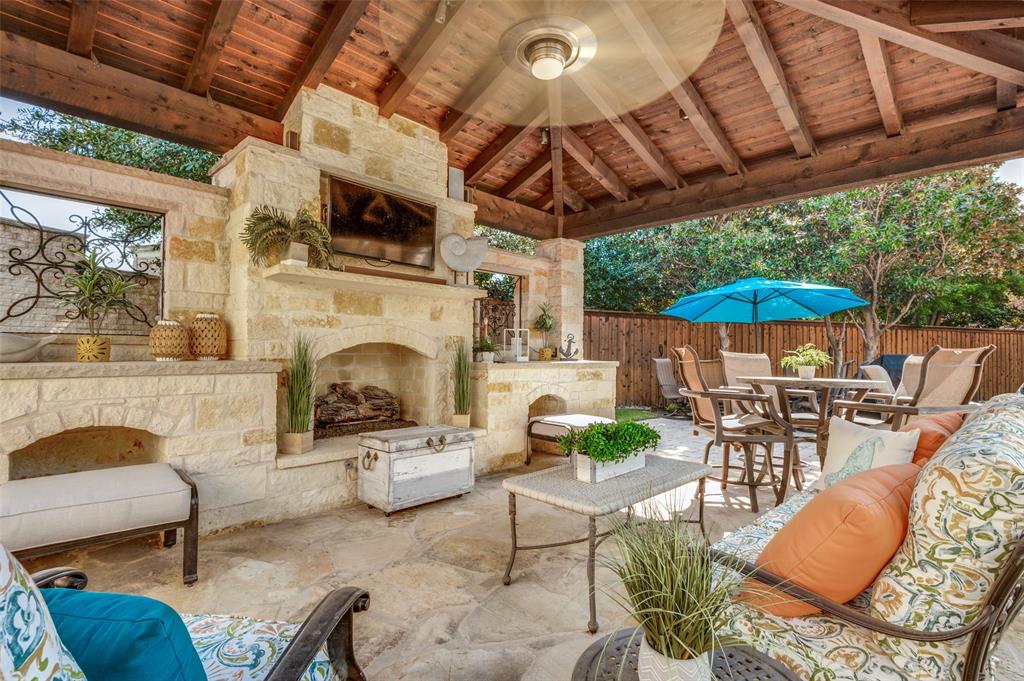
805,360
94,291
300,395
484,350
605,450
460,385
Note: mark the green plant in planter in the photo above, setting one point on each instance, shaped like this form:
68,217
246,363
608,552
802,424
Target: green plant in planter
545,322
460,379
610,442
484,344
268,232
301,391
805,356
94,290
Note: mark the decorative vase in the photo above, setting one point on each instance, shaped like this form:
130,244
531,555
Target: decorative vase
460,420
208,336
653,666
92,349
805,372
168,341
545,355
296,443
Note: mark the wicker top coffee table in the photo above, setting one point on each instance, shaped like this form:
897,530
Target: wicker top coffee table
604,661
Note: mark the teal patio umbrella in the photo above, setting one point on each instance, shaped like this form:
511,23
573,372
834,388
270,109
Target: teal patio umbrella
756,300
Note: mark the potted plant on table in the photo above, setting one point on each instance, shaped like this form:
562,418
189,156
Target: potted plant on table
484,350
675,594
805,359
299,240
299,396
605,450
460,385
545,323
94,290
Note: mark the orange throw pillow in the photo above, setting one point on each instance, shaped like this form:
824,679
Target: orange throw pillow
839,542
935,430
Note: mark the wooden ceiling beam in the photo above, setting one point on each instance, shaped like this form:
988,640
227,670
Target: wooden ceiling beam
1006,92
82,29
527,176
941,16
989,52
422,54
510,138
597,168
328,45
748,25
573,199
649,40
215,35
483,88
629,129
984,139
876,59
49,77
512,216
555,139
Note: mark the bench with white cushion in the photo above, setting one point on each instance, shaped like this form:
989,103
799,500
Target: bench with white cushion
550,428
50,514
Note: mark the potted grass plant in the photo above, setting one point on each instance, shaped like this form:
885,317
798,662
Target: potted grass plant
94,290
484,350
300,394
460,385
605,450
270,235
674,593
806,359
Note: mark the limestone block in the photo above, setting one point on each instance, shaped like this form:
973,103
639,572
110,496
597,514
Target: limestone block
354,303
245,383
256,436
334,137
298,480
74,389
267,327
45,425
227,412
185,385
79,417
210,228
205,278
189,443
231,487
380,167
191,249
113,416
15,437
18,398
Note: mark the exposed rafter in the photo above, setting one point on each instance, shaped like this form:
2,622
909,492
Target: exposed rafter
527,176
571,196
506,141
56,79
876,59
943,16
555,139
483,88
329,43
650,41
218,27
512,216
989,52
748,24
422,54
1006,92
982,139
82,29
593,164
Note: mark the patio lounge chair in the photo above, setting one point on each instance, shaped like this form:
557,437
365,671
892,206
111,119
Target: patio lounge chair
746,430
944,377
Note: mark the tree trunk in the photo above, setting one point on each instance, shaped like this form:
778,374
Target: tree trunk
872,331
837,346
723,336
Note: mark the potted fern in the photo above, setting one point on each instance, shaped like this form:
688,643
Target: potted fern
805,359
605,450
674,593
269,234
94,290
300,394
460,385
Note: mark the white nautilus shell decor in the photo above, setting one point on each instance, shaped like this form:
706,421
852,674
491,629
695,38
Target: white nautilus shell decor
461,254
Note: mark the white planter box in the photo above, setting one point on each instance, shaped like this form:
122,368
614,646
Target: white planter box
587,470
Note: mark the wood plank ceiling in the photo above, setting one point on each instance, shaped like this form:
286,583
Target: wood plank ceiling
797,97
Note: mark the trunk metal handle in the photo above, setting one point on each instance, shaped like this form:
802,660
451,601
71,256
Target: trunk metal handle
369,459
442,442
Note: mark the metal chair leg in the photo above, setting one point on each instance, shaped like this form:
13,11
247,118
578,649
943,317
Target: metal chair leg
748,462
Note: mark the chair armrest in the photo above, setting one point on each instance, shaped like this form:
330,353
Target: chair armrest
726,395
906,410
845,612
61,577
330,623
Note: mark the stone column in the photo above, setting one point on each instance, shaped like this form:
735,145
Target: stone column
565,288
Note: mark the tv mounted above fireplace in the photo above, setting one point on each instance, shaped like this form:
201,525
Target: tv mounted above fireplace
369,223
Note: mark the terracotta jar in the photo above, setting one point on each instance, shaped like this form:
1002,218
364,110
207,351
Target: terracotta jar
208,336
92,349
168,341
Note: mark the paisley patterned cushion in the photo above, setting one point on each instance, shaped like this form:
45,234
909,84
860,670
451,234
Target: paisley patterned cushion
30,650
966,517
244,649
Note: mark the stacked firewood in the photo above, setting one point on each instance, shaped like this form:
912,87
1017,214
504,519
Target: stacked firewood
345,404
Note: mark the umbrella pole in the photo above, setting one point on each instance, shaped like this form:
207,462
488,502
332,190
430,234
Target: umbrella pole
757,327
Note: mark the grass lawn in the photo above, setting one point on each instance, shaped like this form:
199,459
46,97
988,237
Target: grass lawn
633,414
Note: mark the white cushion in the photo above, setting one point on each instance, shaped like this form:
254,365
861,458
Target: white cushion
557,425
59,508
853,448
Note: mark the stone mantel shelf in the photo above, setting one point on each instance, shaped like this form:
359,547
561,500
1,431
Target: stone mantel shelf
367,283
39,370
580,363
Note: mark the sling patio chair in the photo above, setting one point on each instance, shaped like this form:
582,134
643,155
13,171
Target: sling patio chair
944,377
666,375
746,431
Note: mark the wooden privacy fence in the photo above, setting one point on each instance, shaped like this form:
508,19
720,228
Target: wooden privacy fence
633,339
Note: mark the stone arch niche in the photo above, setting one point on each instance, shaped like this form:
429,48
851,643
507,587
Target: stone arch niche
84,449
546,405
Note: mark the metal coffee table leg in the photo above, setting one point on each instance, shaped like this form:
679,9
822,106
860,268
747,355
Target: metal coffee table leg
591,559
507,579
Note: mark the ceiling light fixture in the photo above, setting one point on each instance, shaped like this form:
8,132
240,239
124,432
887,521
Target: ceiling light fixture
547,57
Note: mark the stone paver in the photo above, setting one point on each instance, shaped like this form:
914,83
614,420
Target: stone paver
438,608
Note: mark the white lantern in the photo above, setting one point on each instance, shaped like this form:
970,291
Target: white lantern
517,345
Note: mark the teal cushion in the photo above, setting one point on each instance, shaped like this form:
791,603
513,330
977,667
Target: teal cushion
116,637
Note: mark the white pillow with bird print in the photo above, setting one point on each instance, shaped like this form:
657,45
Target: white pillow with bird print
853,448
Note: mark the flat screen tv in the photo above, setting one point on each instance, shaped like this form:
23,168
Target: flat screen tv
369,223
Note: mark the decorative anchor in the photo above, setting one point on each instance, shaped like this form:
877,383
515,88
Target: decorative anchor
566,351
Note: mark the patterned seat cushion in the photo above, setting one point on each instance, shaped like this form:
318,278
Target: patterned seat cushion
245,649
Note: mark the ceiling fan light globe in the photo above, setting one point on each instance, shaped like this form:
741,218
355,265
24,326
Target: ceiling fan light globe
547,67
